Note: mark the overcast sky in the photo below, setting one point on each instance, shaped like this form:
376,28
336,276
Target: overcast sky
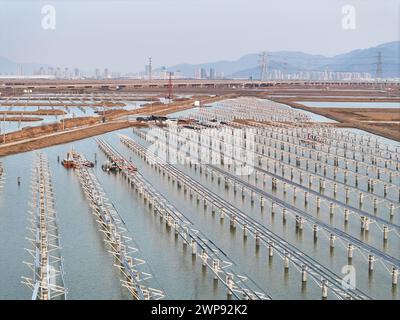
121,35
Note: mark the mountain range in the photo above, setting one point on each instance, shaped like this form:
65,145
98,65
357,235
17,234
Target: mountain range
362,60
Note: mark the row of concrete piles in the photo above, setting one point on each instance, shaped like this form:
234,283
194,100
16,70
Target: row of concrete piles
262,237
365,221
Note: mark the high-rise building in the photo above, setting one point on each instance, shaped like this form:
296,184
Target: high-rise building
213,74
203,73
106,74
97,73
197,73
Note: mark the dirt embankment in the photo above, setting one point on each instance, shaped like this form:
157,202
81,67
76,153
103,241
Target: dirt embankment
161,109
109,104
23,119
39,112
79,128
374,120
63,137
62,104
103,98
32,132
341,99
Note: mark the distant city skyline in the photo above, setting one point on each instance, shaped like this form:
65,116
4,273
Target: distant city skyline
379,62
121,35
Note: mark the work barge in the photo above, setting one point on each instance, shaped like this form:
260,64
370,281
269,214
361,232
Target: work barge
309,198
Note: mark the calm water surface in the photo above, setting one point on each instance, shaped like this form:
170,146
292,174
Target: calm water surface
90,273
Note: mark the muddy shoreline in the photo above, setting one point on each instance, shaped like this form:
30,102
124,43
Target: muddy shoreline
357,117
83,127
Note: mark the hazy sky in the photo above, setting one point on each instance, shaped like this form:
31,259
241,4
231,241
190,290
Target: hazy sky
121,35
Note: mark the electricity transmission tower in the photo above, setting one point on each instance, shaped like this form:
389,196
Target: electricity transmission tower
379,66
150,69
262,64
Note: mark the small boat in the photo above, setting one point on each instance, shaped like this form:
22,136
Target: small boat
74,160
110,166
88,164
69,161
81,160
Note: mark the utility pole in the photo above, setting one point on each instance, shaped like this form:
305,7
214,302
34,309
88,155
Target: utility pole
170,94
378,76
262,64
150,70
284,74
379,66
